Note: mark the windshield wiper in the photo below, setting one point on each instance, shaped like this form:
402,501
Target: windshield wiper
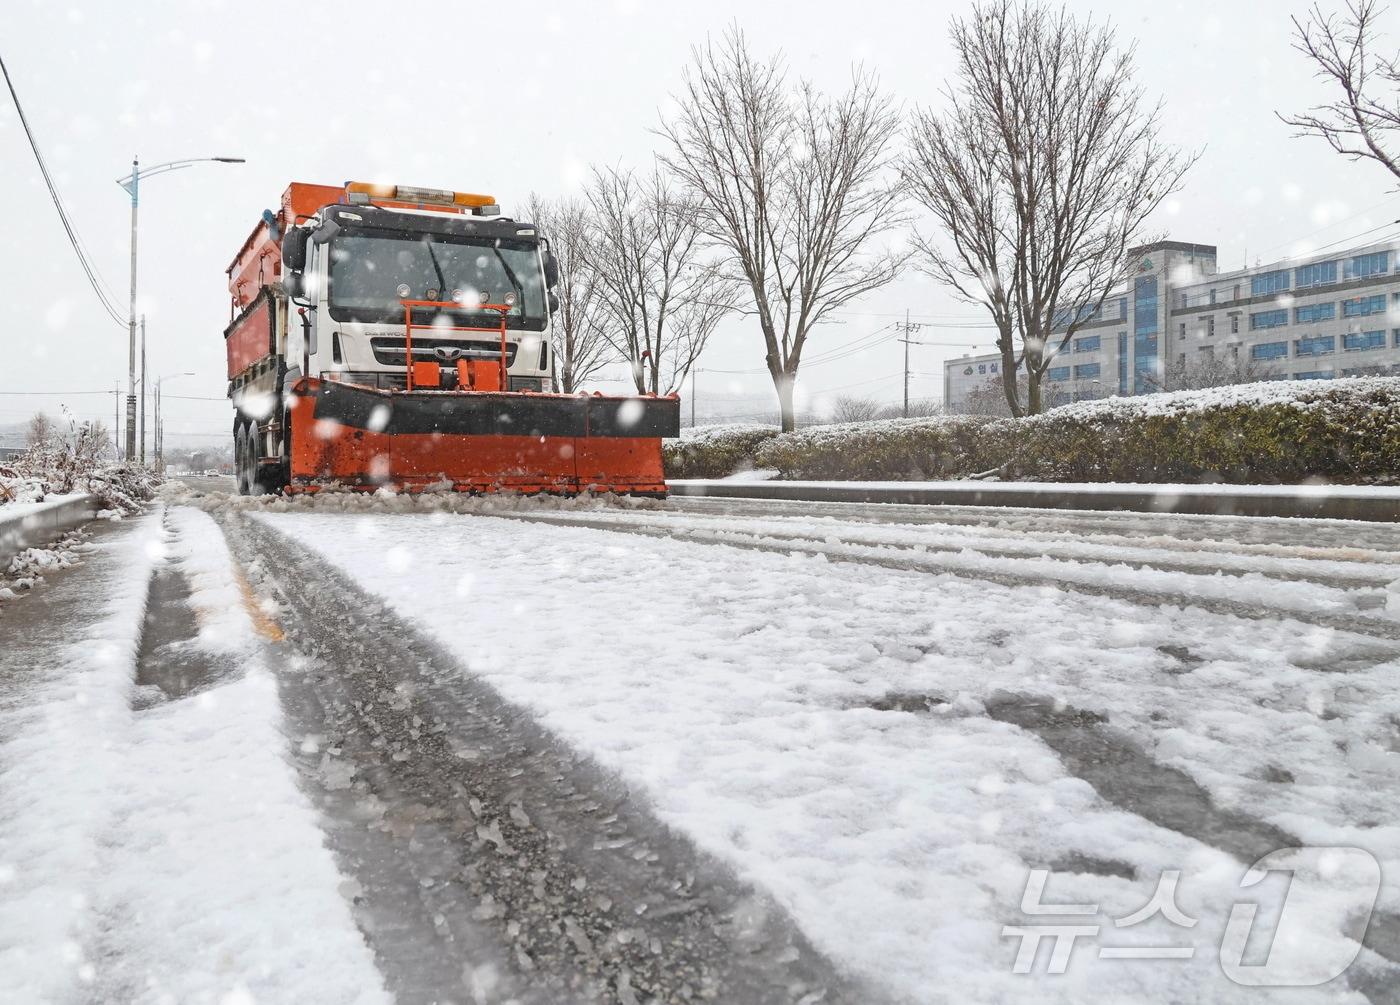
514,280
442,282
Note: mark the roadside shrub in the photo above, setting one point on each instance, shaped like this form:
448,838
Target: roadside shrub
1345,430
885,450
714,451
60,462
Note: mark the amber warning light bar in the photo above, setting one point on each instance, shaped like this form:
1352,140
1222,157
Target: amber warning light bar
361,193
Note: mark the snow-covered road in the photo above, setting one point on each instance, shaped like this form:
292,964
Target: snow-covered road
868,718
889,720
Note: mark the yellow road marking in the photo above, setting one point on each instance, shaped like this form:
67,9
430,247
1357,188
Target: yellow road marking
262,624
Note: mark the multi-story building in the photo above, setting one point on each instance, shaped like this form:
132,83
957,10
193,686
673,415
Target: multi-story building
1323,315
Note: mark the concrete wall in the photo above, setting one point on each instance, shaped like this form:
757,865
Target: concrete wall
24,525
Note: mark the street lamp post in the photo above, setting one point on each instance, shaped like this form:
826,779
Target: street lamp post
131,184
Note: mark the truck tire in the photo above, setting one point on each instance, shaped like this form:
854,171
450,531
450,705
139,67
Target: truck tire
263,479
241,467
257,471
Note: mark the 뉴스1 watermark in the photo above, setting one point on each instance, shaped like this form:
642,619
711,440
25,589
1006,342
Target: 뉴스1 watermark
1328,888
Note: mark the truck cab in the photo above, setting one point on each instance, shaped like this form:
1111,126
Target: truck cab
361,263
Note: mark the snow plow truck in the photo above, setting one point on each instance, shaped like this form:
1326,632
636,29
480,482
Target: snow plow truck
388,336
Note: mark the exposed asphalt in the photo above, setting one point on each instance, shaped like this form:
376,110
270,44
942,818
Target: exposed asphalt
489,861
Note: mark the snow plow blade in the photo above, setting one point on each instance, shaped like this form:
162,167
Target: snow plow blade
413,441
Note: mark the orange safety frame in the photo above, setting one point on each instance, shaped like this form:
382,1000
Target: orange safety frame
408,305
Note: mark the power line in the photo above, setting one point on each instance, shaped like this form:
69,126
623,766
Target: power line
943,320
64,394
1329,226
1345,240
88,269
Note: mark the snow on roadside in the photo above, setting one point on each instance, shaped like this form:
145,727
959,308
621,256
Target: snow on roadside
698,435
166,855
61,751
27,569
735,687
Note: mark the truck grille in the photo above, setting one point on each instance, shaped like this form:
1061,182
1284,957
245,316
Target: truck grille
388,350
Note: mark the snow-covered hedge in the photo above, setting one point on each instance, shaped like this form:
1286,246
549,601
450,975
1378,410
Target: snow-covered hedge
714,451
936,447
1345,430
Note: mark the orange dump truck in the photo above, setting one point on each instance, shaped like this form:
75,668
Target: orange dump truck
383,335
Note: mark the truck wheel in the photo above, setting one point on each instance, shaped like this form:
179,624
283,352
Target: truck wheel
240,459
257,484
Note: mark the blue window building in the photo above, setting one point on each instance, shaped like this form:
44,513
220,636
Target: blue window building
1268,319
1317,345
1361,266
1145,329
1317,274
1269,350
1361,306
1314,312
1268,282
1364,340
1123,359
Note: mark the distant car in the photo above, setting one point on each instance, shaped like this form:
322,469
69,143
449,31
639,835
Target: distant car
210,473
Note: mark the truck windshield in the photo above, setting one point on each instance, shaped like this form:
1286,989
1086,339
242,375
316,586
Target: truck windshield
367,271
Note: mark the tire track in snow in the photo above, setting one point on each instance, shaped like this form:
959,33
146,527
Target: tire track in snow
491,858
1008,576
916,538
1243,533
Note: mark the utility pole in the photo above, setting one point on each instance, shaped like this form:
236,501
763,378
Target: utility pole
144,388
906,365
693,379
131,184
907,329
117,418
131,322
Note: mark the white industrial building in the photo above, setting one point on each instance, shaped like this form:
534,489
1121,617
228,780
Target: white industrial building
1319,316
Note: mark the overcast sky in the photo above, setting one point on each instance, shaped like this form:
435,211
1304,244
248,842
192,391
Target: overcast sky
520,97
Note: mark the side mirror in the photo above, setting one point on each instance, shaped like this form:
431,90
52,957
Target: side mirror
294,249
295,284
553,302
551,270
274,229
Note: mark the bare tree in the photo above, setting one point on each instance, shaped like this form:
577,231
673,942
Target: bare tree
663,294
919,408
40,430
1360,122
1216,369
793,185
989,396
578,348
1041,174
854,409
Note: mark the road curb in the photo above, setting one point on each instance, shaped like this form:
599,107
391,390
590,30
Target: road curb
1335,502
33,525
